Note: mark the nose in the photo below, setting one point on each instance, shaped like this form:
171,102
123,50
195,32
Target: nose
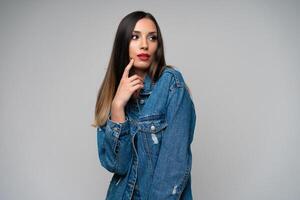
144,43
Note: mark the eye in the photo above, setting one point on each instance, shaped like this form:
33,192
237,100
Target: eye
134,37
153,37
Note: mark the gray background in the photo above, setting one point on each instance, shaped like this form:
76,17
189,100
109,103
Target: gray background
240,60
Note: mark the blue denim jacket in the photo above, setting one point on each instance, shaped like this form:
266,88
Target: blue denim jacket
149,154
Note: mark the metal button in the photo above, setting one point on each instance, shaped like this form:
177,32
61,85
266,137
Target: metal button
116,129
152,127
142,101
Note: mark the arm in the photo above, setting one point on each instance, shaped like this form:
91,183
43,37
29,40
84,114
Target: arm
114,146
175,159
114,138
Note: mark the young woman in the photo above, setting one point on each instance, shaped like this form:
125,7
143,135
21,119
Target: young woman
145,117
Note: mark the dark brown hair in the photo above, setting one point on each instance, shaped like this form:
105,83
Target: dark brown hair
119,60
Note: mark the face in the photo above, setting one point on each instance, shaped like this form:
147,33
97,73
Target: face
143,44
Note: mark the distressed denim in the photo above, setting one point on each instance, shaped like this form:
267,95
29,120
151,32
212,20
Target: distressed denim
150,153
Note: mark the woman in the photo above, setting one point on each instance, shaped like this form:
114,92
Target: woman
145,117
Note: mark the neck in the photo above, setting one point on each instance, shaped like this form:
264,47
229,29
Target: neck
140,73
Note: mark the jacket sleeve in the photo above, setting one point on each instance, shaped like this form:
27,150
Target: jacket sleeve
114,146
174,162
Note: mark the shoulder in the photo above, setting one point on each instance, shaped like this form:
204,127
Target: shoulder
178,91
173,76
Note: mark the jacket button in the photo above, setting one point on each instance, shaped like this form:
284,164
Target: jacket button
152,127
142,101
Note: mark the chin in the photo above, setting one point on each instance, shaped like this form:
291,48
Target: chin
142,65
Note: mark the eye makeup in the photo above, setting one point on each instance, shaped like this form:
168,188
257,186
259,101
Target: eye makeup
151,35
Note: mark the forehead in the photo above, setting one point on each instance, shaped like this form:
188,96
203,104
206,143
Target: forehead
145,25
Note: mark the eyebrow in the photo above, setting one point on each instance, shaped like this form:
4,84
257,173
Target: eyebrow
148,33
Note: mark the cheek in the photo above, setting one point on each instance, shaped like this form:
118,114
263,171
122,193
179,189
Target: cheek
132,49
154,48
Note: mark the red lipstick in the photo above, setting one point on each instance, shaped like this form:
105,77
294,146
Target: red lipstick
143,56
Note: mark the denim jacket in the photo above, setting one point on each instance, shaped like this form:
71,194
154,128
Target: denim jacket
150,154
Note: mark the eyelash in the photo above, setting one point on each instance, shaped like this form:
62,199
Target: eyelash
153,37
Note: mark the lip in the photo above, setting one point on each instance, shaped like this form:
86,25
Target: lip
143,56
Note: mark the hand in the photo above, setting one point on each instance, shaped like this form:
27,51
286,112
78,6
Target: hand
127,86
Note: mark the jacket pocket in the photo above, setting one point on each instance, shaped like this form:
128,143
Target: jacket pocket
153,128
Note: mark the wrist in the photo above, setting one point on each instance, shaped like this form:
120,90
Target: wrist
117,113
117,105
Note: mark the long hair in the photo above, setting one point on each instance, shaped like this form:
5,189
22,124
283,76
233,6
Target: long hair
119,59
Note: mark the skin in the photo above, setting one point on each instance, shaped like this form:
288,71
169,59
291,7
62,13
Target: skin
143,41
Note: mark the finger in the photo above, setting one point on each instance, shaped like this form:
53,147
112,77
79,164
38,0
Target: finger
133,83
127,68
136,87
134,77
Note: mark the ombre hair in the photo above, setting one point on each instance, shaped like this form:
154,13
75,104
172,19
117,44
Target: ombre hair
119,59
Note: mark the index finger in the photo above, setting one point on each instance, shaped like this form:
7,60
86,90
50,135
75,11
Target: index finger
127,68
